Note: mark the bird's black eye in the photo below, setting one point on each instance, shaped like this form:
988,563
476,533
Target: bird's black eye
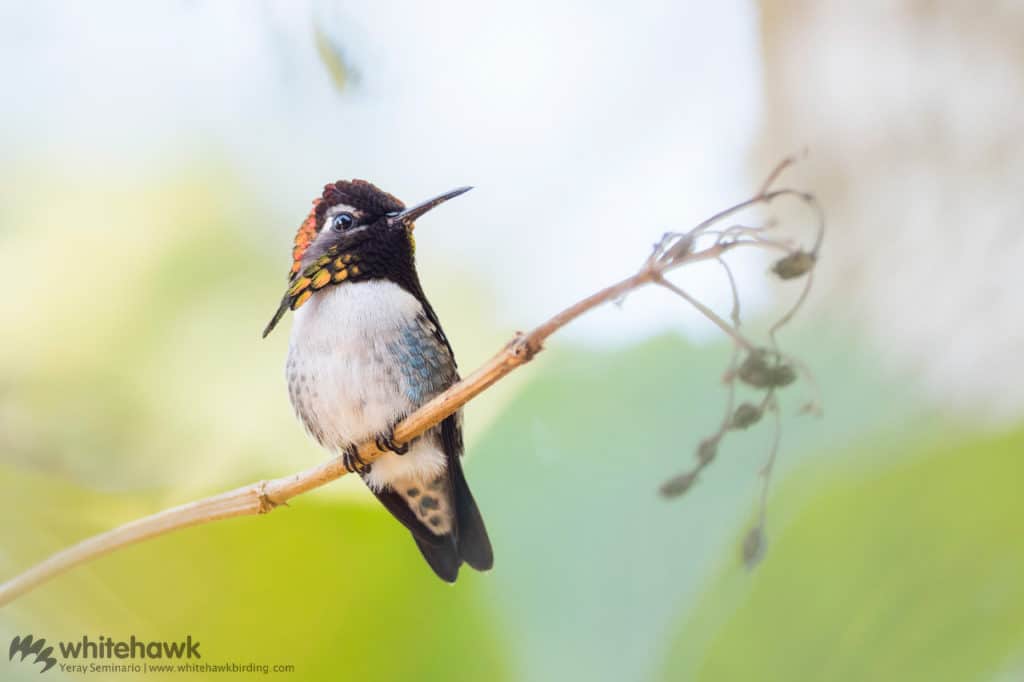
342,221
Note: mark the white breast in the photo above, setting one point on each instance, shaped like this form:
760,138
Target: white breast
351,313
344,382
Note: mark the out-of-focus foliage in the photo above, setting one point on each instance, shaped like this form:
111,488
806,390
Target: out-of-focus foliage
132,331
333,59
596,564
134,378
335,590
908,573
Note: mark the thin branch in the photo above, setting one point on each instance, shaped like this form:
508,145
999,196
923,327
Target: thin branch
776,172
784,320
264,496
673,251
707,312
734,313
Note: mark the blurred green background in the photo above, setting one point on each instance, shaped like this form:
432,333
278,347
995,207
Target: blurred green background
132,378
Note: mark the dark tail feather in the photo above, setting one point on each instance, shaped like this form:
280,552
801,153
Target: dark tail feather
474,547
439,550
443,558
445,553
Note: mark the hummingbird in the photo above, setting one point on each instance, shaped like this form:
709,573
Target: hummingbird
366,350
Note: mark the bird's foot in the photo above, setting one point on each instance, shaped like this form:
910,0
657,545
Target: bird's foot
386,442
353,462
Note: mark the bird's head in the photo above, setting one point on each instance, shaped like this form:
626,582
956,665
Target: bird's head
355,232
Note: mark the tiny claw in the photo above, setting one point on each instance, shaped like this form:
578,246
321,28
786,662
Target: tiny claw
386,442
353,462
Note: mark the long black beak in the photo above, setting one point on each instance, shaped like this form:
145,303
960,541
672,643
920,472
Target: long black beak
409,216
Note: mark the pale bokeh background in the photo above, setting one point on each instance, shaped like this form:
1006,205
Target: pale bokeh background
157,159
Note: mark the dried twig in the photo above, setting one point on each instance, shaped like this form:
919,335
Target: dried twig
765,369
672,252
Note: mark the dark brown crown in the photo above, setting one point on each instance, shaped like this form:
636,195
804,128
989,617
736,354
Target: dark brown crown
383,251
358,194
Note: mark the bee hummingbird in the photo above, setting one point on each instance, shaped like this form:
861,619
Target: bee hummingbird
366,350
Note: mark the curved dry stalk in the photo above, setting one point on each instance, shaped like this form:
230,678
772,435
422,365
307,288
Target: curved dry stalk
765,368
730,330
789,314
673,251
262,497
734,313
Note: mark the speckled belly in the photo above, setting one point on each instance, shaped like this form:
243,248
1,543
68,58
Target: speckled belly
361,357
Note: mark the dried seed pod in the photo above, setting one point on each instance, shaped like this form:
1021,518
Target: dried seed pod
753,546
782,374
746,415
707,450
794,265
677,485
755,370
